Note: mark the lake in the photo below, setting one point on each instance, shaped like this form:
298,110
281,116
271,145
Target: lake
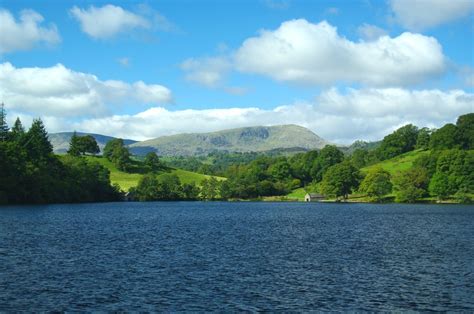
196,256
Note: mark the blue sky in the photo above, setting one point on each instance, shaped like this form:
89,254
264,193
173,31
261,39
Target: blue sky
345,69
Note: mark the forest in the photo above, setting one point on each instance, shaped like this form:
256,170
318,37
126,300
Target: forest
443,169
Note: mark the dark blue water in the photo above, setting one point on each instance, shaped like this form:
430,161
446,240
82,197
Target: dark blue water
237,256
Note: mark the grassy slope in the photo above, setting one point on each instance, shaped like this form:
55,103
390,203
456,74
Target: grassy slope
128,180
397,164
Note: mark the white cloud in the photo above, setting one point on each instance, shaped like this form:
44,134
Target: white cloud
107,21
25,33
302,52
208,72
421,14
59,91
370,32
341,117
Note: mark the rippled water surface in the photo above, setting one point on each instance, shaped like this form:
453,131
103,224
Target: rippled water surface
237,256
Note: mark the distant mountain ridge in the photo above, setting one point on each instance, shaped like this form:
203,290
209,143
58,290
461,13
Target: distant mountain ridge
60,141
290,138
247,139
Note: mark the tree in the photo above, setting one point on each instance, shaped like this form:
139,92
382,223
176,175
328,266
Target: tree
444,138
146,189
410,185
116,152
88,144
465,130
190,191
376,184
37,144
280,170
18,131
359,158
209,188
328,156
3,124
74,145
440,186
401,141
423,139
340,179
152,161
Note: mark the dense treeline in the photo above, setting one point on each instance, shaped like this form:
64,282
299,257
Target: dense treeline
31,173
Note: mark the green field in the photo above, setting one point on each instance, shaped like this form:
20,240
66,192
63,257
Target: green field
397,164
297,194
127,180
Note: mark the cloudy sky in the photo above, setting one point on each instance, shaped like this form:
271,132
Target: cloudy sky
347,70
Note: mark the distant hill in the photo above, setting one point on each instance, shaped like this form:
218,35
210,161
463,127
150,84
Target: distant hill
60,141
249,139
359,145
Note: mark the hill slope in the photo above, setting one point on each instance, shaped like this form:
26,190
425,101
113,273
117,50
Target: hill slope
60,141
127,180
398,163
250,139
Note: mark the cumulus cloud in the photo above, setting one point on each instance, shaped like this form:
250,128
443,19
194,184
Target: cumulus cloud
107,21
26,32
208,72
59,91
370,32
422,14
338,116
303,52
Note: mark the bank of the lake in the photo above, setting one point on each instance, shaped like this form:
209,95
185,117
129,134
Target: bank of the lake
231,256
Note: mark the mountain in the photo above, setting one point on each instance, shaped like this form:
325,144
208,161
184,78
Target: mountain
60,141
359,145
249,139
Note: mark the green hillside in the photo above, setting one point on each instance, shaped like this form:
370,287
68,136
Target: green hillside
127,180
399,163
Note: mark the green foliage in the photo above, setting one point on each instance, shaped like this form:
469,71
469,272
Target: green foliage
116,152
3,124
454,173
74,145
376,184
360,158
410,185
444,138
441,186
401,141
329,156
164,188
423,139
209,189
152,162
18,131
465,131
88,144
340,180
37,145
30,173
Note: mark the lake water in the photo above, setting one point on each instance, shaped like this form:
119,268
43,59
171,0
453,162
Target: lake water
236,256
